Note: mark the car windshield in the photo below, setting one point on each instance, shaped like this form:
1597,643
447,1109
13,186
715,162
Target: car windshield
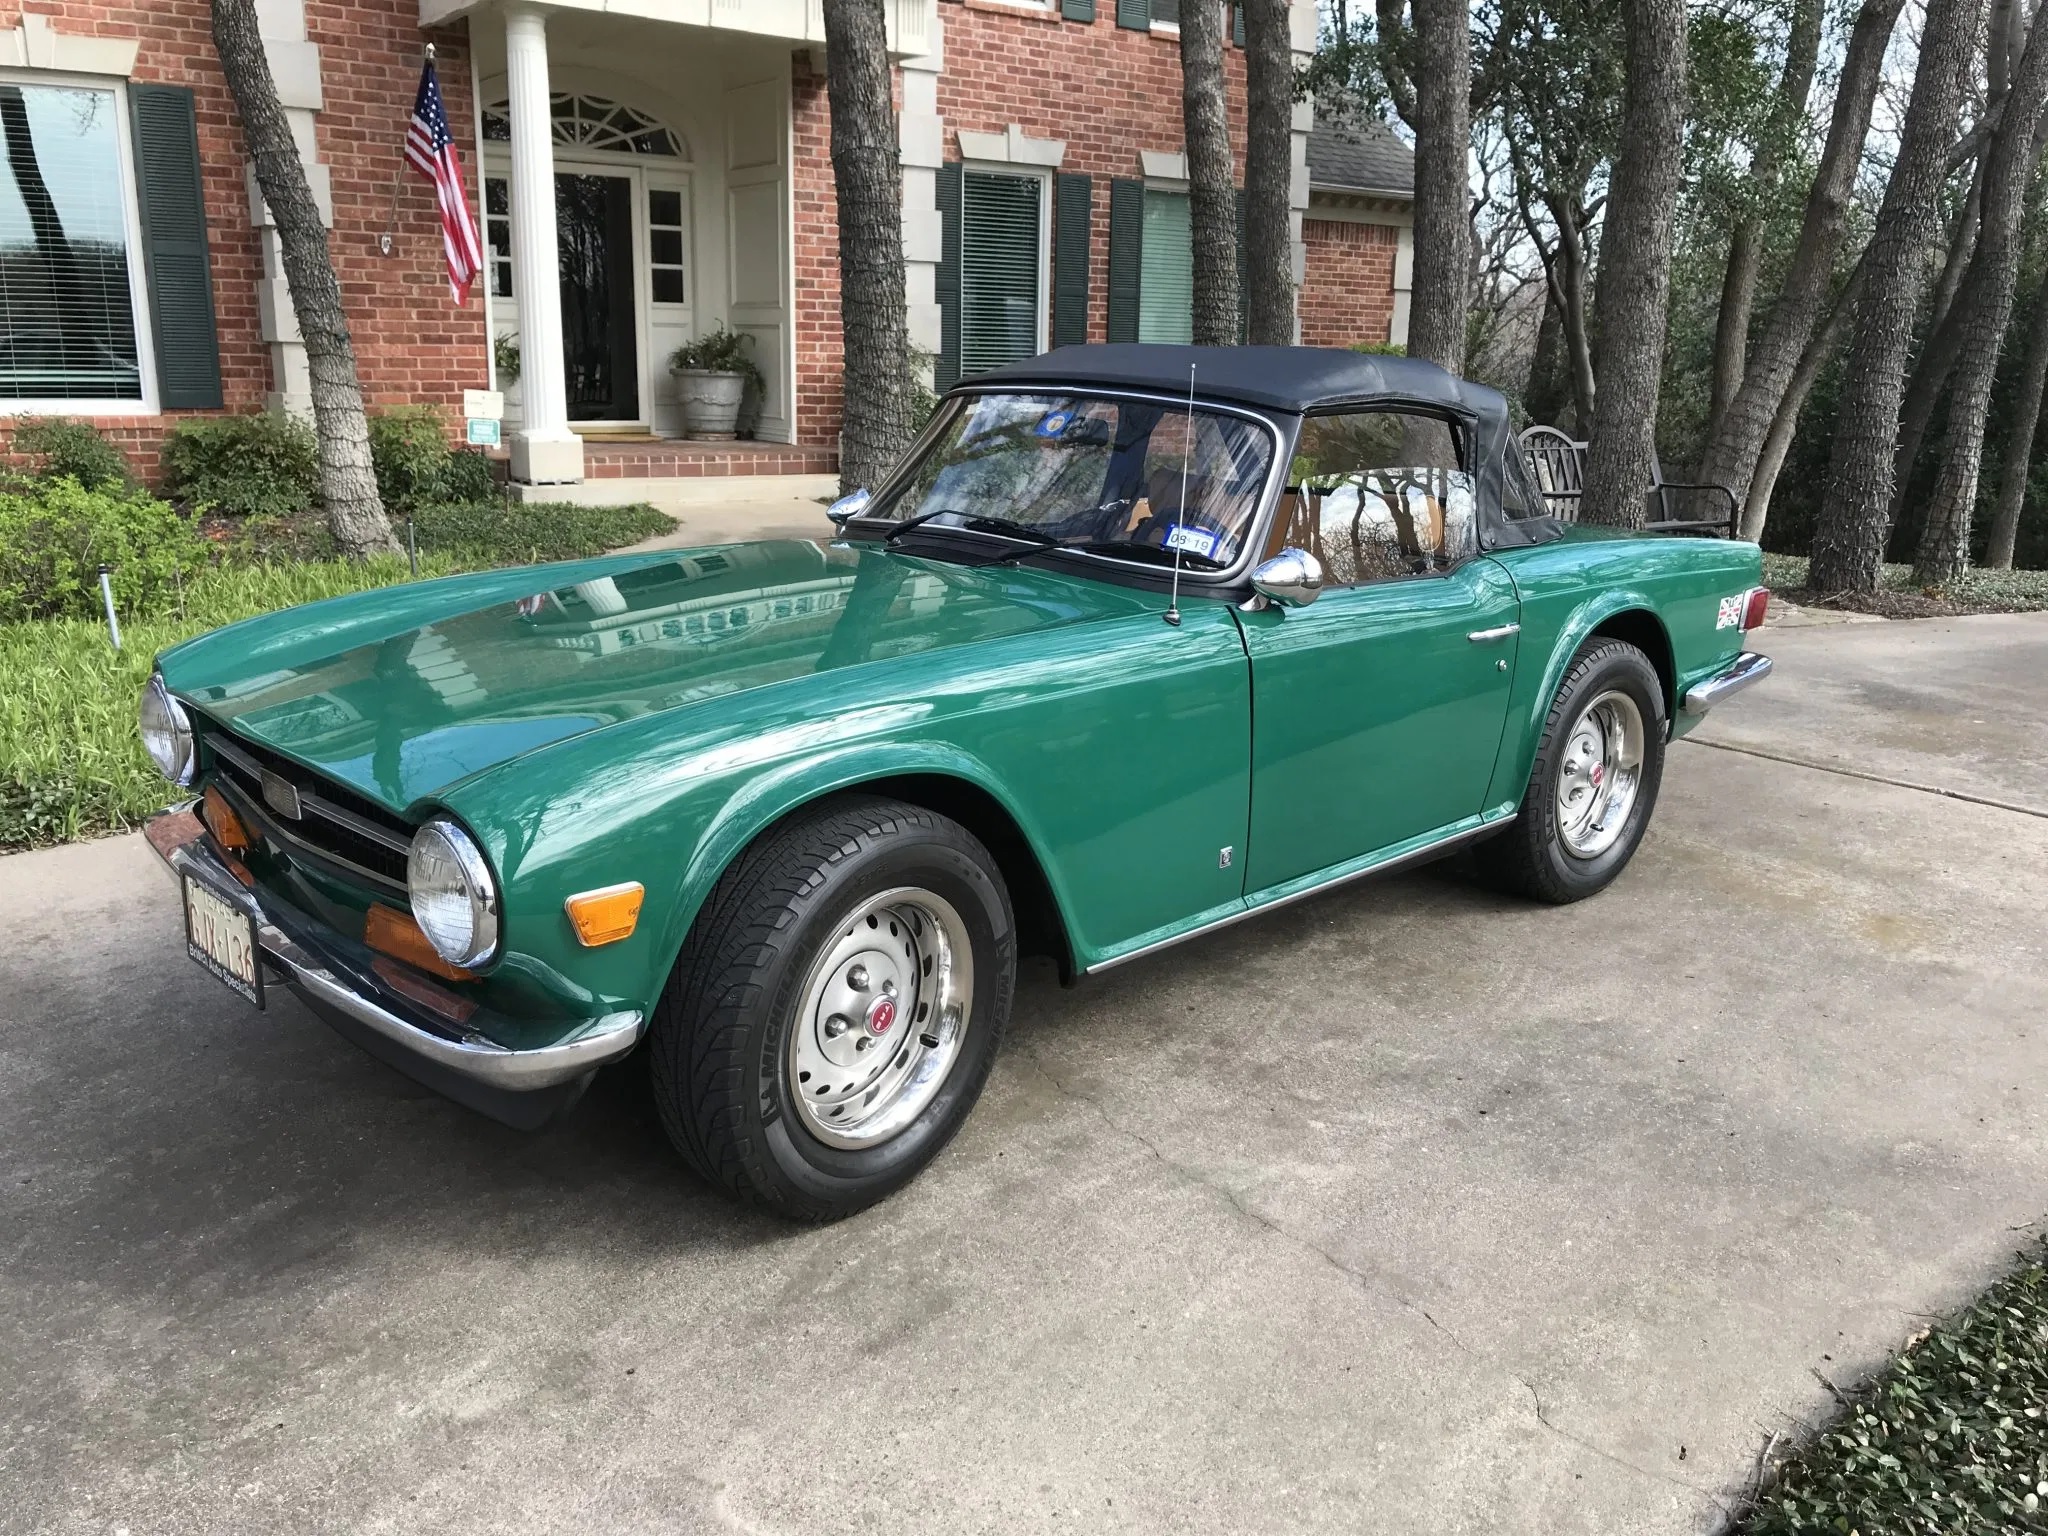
1132,479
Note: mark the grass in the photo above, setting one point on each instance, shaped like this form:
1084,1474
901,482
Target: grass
1897,596
71,764
1950,1438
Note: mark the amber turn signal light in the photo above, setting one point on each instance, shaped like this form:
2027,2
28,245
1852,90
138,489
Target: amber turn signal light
223,823
606,915
397,935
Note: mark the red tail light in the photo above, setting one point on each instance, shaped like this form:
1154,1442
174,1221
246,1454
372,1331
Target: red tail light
1754,610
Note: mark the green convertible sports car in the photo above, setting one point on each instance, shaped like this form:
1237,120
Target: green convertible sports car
1135,642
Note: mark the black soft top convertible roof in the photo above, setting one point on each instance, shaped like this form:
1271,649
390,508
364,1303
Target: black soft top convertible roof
1292,379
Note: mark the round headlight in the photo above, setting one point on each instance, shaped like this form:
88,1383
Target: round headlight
166,731
454,898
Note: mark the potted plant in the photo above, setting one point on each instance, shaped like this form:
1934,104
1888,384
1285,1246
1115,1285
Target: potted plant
712,374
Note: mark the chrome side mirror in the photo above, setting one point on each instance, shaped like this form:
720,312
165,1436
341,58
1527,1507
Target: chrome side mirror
851,505
1291,578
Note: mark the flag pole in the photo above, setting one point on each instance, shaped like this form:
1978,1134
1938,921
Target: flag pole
388,241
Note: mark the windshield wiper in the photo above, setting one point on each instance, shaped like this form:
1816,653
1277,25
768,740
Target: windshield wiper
1152,553
975,522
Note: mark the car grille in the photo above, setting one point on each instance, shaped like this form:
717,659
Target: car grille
334,823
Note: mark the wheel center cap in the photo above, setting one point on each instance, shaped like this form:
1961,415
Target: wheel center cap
881,1015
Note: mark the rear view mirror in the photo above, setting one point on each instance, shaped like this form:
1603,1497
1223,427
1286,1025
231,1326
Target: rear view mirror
1291,578
851,505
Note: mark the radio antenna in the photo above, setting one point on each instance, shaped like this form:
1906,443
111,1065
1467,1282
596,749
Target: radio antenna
1186,458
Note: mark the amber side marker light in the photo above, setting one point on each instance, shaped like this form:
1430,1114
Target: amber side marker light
223,823
397,935
605,915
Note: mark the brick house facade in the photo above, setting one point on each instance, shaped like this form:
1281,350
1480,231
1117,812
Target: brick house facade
688,151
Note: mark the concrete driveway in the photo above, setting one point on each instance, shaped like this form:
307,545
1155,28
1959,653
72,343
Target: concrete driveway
1409,1209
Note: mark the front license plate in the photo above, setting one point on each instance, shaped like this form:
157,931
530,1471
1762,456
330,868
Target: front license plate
222,937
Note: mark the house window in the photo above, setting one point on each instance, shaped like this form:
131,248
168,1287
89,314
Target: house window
1166,284
498,233
1002,269
665,245
591,122
68,325
1166,13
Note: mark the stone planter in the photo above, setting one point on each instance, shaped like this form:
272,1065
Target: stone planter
710,402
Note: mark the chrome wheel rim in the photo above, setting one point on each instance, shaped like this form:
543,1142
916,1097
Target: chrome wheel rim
882,1018
1601,775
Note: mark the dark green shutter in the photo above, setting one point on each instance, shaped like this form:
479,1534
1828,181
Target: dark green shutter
1136,14
1244,286
1075,212
173,217
1126,257
948,283
1237,25
1078,10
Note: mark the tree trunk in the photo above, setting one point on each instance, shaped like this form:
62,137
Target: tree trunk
1948,317
1212,193
1635,267
348,484
1545,394
2019,451
1745,242
1848,545
1578,333
1756,507
1736,441
1443,147
2008,169
868,177
1268,173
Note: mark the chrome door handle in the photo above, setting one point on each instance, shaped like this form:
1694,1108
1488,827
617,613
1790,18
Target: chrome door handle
1482,636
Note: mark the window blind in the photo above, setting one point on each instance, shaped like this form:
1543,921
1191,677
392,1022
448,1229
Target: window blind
1000,286
1166,291
67,308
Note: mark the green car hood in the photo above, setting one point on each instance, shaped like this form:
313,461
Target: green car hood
403,691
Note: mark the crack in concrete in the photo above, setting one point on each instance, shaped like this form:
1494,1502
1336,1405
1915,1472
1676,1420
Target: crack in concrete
1869,778
1359,1279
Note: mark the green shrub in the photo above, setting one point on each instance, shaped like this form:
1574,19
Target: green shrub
409,447
55,535
468,477
59,447
261,465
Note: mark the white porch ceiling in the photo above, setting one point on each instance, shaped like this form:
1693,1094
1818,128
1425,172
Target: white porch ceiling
913,24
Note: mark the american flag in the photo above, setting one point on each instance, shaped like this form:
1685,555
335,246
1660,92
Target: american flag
430,150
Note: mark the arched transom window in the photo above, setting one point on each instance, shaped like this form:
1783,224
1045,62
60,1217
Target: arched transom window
591,122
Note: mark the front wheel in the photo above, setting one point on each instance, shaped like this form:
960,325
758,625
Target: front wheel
837,1007
1594,782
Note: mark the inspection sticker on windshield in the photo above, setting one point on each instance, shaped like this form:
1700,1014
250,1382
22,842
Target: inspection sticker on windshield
1055,422
1191,541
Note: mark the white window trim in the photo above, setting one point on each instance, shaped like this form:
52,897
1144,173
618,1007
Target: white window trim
1043,176
131,214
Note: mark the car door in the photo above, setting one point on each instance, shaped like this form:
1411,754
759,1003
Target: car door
1378,708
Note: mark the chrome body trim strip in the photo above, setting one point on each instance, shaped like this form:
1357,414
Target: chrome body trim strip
1750,667
471,1055
1390,866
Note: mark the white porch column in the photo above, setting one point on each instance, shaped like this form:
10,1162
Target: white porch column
544,450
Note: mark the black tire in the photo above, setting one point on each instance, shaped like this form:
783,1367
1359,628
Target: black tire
1531,857
719,1048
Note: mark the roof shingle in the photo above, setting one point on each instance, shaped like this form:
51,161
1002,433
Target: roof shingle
1368,159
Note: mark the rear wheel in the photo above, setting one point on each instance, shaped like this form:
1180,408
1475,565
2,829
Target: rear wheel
837,1007
1594,783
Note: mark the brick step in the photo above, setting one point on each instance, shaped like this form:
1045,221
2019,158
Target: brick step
671,457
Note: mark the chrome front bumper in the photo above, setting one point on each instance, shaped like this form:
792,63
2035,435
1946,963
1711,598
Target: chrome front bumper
440,1058
1750,667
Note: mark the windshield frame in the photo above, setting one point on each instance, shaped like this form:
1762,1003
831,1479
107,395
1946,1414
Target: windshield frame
1279,435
